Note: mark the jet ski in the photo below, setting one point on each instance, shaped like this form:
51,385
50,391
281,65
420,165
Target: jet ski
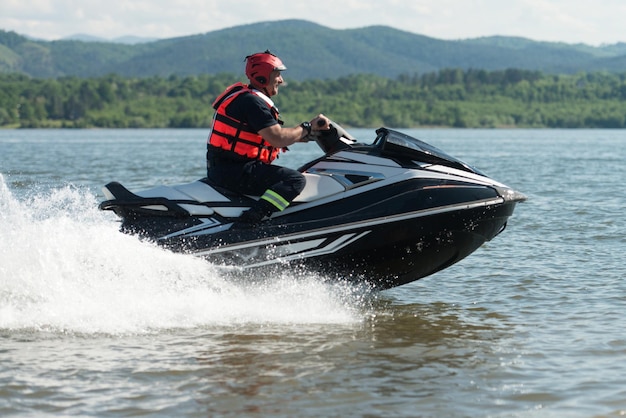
383,214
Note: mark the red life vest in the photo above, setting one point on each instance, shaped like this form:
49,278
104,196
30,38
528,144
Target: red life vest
232,135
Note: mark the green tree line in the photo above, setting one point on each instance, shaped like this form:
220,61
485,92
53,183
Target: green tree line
450,98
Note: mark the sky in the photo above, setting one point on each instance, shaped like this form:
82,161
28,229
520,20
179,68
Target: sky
593,22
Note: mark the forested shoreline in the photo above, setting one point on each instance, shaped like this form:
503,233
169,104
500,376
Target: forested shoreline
446,98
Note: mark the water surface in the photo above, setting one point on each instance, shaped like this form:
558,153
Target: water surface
96,323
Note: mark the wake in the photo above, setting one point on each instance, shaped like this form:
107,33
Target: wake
65,267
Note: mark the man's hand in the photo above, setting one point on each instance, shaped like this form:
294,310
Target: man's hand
320,123
280,137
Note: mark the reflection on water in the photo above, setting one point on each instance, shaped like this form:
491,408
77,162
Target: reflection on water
396,358
397,354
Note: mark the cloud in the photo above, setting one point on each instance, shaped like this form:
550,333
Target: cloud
571,21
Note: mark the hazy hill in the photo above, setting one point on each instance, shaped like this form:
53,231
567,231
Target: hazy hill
309,51
131,40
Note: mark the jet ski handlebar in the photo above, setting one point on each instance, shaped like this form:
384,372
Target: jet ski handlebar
334,139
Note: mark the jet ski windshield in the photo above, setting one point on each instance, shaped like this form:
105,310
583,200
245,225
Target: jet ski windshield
398,145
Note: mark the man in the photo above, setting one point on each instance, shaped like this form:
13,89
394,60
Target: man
247,135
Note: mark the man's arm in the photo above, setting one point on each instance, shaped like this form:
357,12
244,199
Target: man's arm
280,137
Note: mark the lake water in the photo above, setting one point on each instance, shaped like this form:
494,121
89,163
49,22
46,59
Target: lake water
96,323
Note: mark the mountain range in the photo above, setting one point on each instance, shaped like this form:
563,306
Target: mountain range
309,50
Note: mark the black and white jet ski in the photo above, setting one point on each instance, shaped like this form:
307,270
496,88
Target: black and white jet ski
386,213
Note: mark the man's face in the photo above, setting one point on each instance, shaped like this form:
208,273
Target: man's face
276,79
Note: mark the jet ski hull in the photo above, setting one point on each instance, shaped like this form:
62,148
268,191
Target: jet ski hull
384,253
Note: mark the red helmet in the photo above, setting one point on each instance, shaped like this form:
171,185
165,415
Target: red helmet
260,65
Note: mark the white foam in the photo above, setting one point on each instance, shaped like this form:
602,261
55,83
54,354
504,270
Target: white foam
66,267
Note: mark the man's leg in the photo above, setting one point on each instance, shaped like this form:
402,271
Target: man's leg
278,185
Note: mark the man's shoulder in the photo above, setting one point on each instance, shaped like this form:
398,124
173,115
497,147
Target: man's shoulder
248,97
252,110
248,102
